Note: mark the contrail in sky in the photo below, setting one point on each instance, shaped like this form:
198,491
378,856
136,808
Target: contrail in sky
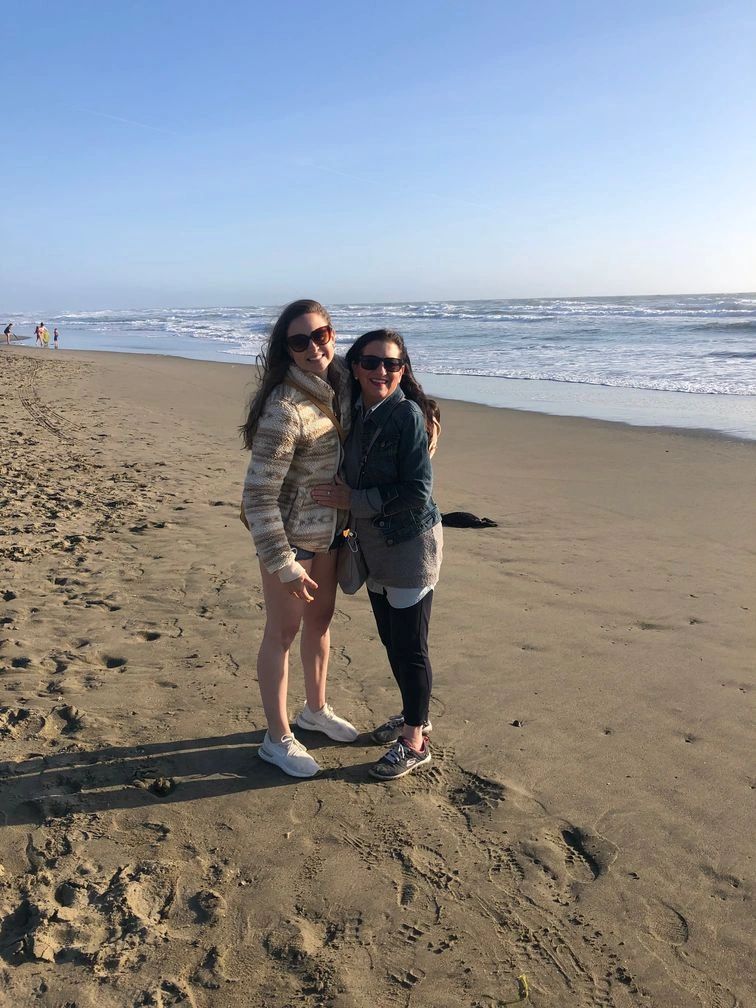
128,122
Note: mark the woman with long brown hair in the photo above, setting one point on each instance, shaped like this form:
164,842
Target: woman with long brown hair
294,431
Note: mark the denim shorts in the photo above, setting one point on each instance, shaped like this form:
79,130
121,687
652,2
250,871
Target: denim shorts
301,554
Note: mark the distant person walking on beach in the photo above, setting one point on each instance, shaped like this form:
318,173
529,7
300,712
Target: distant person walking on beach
387,466
44,335
37,336
8,332
293,430
55,339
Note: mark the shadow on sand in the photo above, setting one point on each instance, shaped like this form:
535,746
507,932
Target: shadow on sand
51,786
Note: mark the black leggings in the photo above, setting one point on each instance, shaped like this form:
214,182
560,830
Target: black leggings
404,634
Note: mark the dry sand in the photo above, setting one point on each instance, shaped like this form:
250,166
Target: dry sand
602,845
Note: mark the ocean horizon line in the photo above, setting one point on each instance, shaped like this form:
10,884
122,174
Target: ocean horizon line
345,304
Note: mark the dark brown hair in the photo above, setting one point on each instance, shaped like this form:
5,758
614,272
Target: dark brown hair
274,360
409,384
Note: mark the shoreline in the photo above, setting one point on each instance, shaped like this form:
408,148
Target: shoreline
558,399
585,819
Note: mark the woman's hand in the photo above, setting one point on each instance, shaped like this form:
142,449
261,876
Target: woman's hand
302,586
335,495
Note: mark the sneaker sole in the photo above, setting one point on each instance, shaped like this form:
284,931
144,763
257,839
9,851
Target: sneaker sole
300,722
290,773
417,766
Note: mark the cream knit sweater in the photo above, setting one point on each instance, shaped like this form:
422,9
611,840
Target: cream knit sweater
294,448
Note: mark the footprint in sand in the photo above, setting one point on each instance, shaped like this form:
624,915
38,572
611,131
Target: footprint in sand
503,863
148,635
725,886
112,661
110,606
422,862
742,687
439,707
304,808
73,719
345,930
211,973
567,858
588,853
410,934
208,906
444,944
21,723
159,830
666,923
478,796
341,657
410,979
106,921
408,894
166,995
477,793
293,945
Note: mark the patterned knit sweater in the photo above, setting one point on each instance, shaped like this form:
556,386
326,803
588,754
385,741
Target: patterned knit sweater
294,448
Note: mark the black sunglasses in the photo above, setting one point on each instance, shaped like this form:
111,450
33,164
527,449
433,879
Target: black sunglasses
370,363
319,337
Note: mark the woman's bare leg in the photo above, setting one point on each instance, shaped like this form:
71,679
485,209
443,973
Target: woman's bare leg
315,641
283,617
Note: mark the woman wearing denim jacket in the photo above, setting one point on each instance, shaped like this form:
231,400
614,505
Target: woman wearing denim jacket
398,526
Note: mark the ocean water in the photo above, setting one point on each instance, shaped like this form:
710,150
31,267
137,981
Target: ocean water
673,361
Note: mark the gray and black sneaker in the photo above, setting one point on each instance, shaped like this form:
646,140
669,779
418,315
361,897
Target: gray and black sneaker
400,760
390,730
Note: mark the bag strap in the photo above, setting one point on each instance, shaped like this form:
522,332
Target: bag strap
325,410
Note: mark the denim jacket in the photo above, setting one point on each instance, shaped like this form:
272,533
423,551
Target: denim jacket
394,490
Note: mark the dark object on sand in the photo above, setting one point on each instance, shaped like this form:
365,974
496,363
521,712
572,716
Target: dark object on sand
463,519
72,716
163,785
516,723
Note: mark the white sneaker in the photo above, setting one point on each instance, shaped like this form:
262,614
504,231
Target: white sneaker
326,721
288,754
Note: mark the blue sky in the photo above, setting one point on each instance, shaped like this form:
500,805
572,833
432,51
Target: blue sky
164,153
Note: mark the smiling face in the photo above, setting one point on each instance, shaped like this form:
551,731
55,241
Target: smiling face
313,358
379,384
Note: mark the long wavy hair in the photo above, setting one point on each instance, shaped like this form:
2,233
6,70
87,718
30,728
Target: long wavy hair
274,361
409,384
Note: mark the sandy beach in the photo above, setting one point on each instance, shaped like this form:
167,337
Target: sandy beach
588,816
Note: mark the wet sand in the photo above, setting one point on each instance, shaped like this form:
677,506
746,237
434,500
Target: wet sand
588,816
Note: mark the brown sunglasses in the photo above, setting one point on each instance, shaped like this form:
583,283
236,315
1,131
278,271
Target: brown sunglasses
319,337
